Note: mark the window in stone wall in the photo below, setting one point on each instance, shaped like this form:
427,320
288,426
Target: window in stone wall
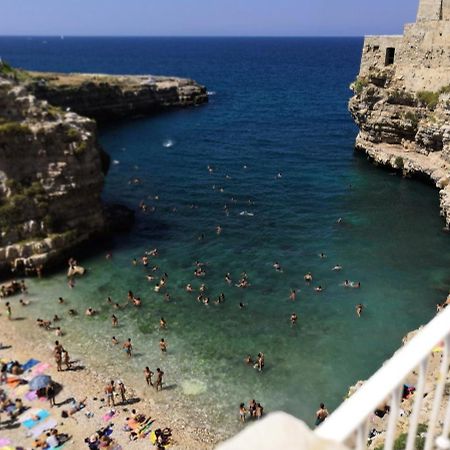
390,56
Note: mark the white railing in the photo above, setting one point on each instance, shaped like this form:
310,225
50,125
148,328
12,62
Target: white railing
350,423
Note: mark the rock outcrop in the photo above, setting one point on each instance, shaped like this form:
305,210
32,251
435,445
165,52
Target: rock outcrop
51,166
402,99
402,130
106,97
51,178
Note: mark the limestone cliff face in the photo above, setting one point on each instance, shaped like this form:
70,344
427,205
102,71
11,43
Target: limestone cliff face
105,97
50,178
404,129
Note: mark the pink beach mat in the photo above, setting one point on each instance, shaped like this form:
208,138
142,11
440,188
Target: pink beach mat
40,368
30,396
4,442
108,416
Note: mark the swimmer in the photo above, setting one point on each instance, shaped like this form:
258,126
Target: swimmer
71,283
109,301
293,295
202,287
337,267
114,321
279,175
23,302
114,341
248,360
108,256
277,267
359,309
116,306
228,278
189,288
322,255
163,345
318,289
134,262
166,297
356,285
308,277
58,331
90,312
137,301
241,305
346,283
162,323
72,312
150,277
218,229
56,318
293,318
60,300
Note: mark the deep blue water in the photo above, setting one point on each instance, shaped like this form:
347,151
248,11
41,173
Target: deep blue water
279,106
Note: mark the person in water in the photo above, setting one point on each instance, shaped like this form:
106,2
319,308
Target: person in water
148,376
321,414
359,309
163,345
128,347
294,318
293,295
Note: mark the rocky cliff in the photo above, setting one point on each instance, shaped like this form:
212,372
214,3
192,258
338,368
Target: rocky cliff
51,165
106,97
404,129
50,178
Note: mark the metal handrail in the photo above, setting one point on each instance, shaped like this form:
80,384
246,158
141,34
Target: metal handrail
354,413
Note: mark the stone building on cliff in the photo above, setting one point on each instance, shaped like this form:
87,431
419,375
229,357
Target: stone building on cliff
421,55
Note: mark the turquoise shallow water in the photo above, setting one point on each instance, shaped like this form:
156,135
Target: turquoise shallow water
279,106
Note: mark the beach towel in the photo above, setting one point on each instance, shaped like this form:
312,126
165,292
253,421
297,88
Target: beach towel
30,423
7,448
47,425
30,396
40,368
108,416
13,382
29,364
29,414
4,442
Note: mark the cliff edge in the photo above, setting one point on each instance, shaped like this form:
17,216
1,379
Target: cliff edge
52,167
108,97
401,100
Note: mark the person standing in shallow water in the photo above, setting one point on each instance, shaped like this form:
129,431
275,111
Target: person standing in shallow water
159,379
321,414
148,376
128,347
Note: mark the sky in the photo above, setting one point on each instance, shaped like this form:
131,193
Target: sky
205,17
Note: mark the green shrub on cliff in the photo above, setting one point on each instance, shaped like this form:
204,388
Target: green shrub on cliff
72,135
428,98
399,97
359,84
399,163
10,72
16,128
412,117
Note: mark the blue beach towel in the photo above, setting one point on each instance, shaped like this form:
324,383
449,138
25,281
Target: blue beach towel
29,364
30,423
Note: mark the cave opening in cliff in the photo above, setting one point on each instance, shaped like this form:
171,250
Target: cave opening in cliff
390,56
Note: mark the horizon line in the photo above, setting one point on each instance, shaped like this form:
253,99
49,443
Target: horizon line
179,36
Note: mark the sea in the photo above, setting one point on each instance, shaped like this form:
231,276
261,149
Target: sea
270,159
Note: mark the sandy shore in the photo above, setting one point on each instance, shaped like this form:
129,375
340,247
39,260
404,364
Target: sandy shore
26,341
